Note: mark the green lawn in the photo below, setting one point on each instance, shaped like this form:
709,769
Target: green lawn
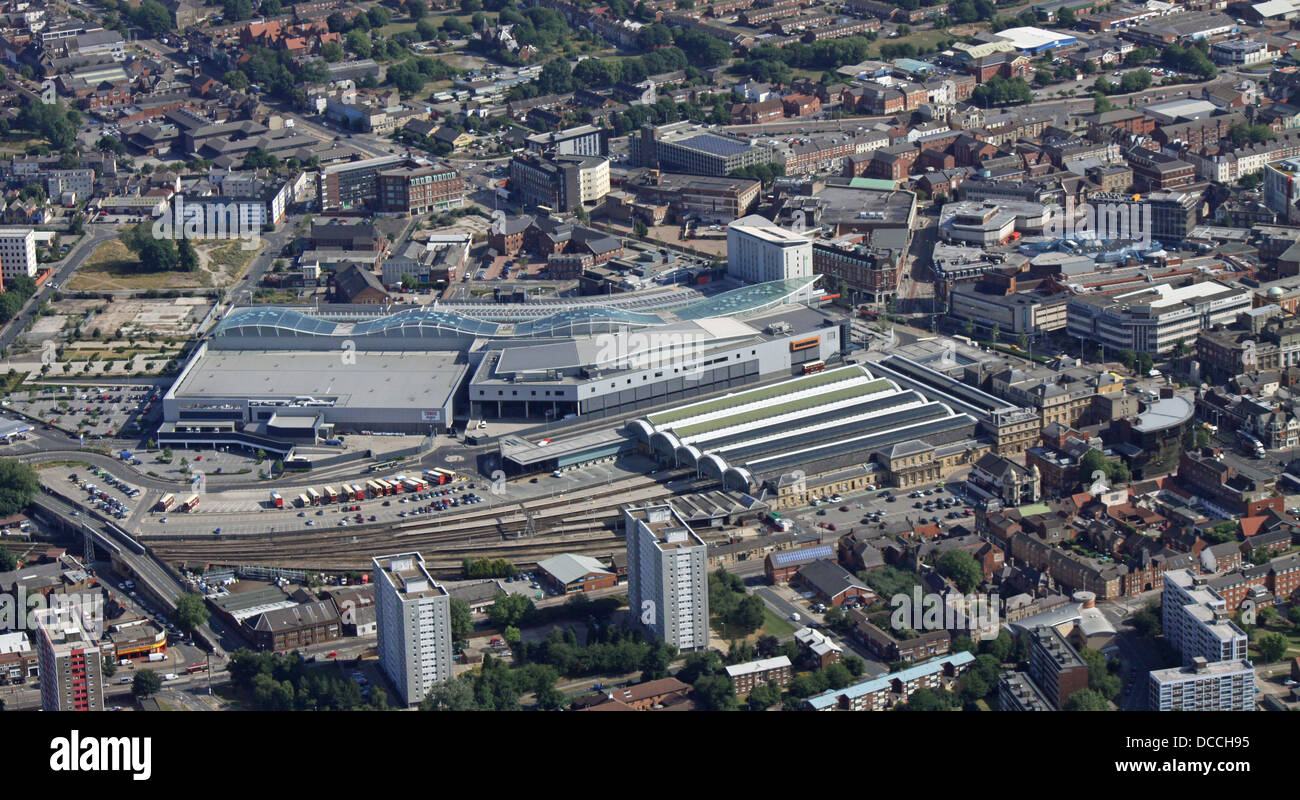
774,625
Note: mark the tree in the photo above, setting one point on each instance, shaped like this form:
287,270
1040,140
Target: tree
416,8
763,697
749,614
1023,341
153,17
715,693
359,43
639,230
962,568
929,700
1147,621
191,612
19,483
456,694
462,621
655,664
996,333
1066,17
146,684
1272,646
186,258
8,561
1145,363
1000,647
330,51
1128,358
1086,700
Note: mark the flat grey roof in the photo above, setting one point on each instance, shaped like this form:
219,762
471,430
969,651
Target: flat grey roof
375,379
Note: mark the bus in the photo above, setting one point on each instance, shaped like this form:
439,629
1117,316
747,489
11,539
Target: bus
414,485
1252,446
314,496
303,502
329,494
446,473
383,465
867,312
373,489
813,366
191,503
201,666
276,500
434,477
166,502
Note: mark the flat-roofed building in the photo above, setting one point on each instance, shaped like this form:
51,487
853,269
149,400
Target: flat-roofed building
1154,320
1055,666
413,615
1204,686
1281,190
70,661
706,198
1018,692
17,253
759,251
1196,620
773,671
667,571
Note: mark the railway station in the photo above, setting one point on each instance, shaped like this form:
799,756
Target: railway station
771,440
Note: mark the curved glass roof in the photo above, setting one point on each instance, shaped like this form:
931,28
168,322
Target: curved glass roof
287,319
424,318
291,321
745,299
587,314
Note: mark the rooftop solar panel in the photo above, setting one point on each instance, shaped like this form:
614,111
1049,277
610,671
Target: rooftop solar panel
714,145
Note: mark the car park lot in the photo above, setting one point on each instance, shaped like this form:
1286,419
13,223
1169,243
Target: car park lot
874,513
99,412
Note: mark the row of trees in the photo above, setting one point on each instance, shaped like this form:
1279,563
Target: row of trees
488,568
497,687
279,682
1001,91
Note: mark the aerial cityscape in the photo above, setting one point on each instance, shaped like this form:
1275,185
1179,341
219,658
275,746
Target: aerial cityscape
670,355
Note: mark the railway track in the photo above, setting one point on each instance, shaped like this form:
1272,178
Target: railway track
584,525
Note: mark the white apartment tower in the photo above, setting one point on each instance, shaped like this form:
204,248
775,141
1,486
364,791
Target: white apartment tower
413,616
1196,622
17,252
667,574
70,661
759,251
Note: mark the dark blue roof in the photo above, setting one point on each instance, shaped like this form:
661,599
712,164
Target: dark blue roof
715,145
783,558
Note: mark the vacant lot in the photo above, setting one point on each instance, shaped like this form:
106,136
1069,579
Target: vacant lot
111,268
